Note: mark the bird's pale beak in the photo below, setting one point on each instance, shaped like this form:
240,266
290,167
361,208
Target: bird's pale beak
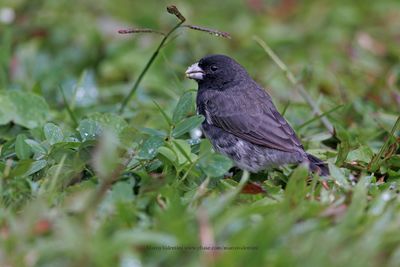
195,72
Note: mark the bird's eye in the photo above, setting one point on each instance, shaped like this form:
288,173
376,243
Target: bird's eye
214,68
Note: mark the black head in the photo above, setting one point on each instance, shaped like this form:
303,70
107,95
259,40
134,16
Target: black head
216,72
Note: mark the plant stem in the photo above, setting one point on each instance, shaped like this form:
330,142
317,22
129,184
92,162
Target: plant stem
299,87
151,60
243,181
69,110
377,159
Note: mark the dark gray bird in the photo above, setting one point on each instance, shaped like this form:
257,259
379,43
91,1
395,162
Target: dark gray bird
241,121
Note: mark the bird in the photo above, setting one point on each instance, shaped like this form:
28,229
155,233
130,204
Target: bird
242,122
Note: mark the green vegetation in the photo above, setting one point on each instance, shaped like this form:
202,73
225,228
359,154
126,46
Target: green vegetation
84,184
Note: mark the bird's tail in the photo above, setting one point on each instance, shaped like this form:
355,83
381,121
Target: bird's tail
317,165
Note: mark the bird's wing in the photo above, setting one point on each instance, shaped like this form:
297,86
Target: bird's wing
252,117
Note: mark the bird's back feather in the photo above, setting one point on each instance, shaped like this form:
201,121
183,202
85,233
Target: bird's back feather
249,114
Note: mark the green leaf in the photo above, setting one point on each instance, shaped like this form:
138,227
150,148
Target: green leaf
92,127
358,205
363,153
150,147
296,188
53,133
21,167
28,167
7,108
122,192
344,145
36,147
167,153
150,131
339,176
36,166
23,108
22,149
183,151
111,121
2,166
394,161
215,165
186,125
205,147
184,107
89,129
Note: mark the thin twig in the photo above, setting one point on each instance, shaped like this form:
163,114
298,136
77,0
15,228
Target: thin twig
298,86
139,30
208,30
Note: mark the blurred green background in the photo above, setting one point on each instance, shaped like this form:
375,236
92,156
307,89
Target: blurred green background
345,49
171,193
